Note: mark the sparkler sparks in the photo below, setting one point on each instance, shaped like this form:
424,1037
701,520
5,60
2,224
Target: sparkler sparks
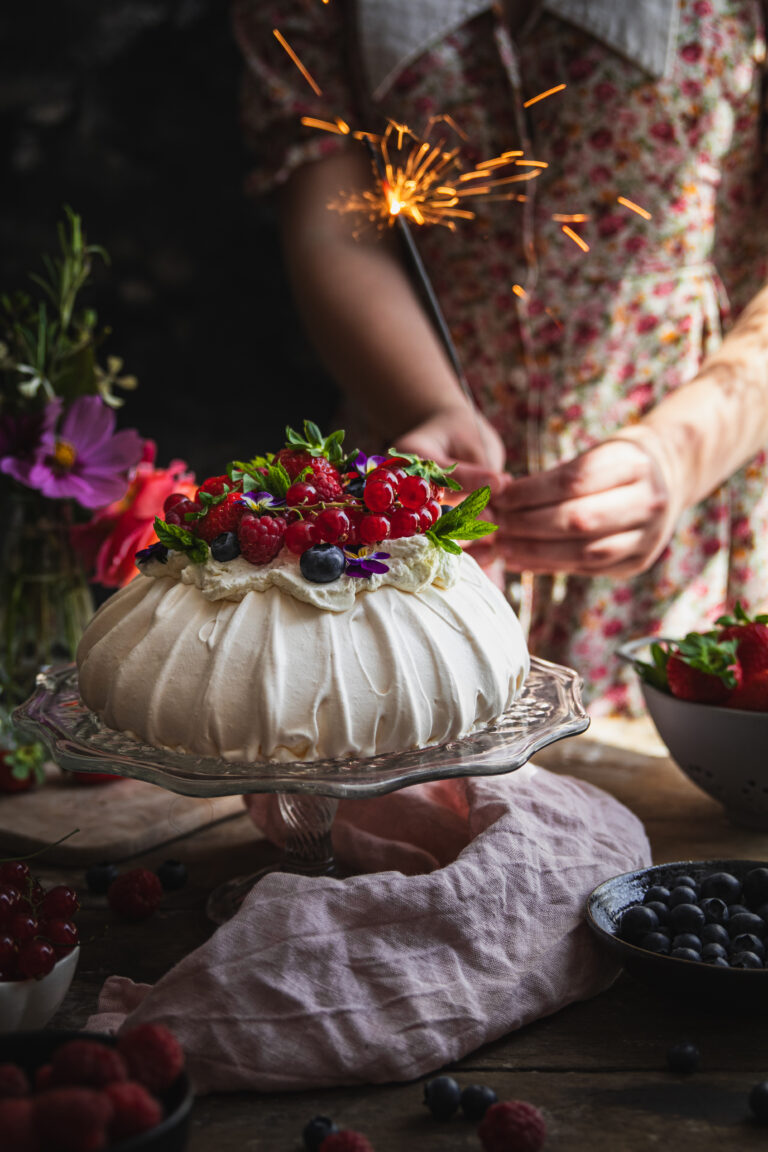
646,215
304,71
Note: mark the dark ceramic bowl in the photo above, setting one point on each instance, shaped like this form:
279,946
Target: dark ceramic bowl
748,986
31,1049
722,750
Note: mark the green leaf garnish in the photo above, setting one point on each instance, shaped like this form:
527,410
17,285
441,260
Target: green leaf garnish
428,469
180,540
315,443
740,618
461,522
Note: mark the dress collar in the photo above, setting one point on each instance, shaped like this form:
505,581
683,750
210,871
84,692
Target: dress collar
393,33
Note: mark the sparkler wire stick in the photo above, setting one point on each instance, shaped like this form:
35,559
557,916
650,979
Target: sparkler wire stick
425,284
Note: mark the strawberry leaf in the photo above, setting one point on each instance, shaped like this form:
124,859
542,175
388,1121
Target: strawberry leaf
315,443
428,469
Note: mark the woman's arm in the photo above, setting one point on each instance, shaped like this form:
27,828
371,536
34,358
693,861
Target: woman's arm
613,509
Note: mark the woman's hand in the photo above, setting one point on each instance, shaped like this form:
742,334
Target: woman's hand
462,436
610,511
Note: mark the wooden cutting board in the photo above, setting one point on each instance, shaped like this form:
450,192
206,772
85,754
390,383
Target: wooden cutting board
114,821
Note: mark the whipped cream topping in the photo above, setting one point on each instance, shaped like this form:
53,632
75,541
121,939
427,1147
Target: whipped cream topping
414,563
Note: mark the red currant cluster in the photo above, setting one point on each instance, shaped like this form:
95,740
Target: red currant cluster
36,927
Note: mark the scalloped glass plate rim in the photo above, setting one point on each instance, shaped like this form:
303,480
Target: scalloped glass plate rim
548,709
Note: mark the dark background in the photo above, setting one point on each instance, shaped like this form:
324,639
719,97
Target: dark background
127,110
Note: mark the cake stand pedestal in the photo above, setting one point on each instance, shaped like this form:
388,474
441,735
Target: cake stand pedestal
548,709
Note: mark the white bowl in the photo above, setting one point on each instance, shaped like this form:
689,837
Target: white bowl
29,1004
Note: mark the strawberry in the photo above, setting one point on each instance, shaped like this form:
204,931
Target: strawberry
154,1056
752,694
751,636
316,453
221,517
215,486
703,669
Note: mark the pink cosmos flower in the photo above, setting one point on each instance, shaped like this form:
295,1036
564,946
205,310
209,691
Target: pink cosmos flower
84,459
108,543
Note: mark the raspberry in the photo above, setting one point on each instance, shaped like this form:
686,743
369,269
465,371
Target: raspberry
13,1081
346,1141
17,1123
214,486
73,1119
135,1110
223,517
43,1077
136,894
153,1055
87,1064
324,476
261,537
512,1126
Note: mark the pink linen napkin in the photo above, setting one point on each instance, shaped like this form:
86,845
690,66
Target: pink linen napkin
470,926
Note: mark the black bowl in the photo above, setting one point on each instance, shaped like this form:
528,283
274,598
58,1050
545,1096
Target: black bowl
31,1049
689,978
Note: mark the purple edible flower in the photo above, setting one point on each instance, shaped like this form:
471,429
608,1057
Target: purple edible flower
363,565
365,464
84,459
260,502
156,551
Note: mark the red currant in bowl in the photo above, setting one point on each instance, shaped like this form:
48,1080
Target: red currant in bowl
40,982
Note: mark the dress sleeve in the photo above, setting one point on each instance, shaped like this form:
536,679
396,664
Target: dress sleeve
275,95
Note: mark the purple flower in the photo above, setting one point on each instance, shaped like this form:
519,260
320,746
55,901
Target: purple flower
156,551
20,436
365,464
259,502
363,565
84,459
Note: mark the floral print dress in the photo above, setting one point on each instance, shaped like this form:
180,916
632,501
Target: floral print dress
598,337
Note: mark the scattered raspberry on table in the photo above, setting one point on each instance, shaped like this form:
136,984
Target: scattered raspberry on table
512,1126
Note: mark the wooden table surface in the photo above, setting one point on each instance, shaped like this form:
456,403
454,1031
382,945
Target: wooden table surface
596,1069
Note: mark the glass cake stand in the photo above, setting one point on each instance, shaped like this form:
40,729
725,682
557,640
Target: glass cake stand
548,709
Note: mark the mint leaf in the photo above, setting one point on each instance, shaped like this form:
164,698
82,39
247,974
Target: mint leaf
237,469
275,480
180,540
461,522
428,469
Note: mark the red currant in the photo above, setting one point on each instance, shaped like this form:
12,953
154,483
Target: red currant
59,903
173,518
372,529
22,927
7,953
62,934
429,514
10,900
175,498
414,491
300,535
14,872
379,495
403,522
332,525
354,515
35,959
301,493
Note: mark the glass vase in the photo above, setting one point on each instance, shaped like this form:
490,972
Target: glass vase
45,600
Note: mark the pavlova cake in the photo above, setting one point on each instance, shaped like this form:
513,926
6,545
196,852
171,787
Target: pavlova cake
307,604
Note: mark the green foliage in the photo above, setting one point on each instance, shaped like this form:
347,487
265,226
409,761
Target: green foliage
462,522
180,540
428,469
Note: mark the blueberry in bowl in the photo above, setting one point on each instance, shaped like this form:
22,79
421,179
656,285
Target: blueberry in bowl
690,928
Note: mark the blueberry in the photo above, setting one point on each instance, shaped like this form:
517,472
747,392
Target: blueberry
685,954
322,563
715,910
655,942
747,942
681,895
316,1131
442,1096
476,1100
723,885
714,952
636,921
661,910
683,1057
714,934
656,892
686,918
172,874
99,877
746,922
755,887
225,547
737,909
684,882
758,1101
718,962
687,940
355,487
745,960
